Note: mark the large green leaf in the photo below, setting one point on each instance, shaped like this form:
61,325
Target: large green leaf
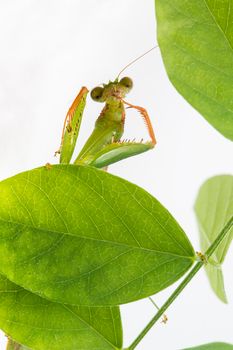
81,236
212,346
41,324
214,208
196,43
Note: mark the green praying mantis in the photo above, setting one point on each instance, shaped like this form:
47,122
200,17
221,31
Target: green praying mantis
104,146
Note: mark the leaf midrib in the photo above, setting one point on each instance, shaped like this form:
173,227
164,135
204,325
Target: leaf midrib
94,239
219,27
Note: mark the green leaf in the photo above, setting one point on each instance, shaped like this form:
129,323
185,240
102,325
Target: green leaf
196,42
41,324
114,152
212,346
214,208
79,235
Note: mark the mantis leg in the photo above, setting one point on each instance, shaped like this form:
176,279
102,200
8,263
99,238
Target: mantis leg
71,126
146,118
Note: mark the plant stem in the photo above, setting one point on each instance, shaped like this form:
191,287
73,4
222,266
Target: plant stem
183,284
12,345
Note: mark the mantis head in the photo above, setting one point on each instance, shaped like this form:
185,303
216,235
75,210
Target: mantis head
112,90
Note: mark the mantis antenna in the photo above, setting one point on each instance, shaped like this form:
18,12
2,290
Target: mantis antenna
136,59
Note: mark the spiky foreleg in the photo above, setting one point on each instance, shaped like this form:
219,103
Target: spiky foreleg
71,126
146,119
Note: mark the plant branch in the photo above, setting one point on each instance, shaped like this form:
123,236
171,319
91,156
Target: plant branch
183,284
12,345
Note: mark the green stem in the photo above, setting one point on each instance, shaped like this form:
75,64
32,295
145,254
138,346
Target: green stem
183,284
12,345
154,303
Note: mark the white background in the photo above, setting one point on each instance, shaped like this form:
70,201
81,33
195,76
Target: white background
49,49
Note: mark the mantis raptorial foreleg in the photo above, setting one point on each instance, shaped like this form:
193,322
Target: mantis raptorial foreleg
146,118
71,126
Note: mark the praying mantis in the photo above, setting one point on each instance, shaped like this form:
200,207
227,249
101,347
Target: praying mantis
104,146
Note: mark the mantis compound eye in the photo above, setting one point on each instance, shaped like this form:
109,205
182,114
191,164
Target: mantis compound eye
127,82
97,94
